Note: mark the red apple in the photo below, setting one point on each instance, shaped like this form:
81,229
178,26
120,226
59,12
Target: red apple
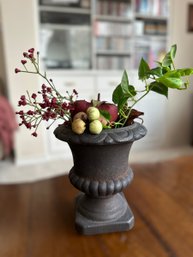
112,109
80,106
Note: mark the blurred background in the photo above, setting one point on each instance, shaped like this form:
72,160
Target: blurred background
85,45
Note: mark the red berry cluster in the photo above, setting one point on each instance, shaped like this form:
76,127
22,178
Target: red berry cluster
47,104
27,55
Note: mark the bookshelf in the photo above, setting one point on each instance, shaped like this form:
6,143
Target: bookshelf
102,34
151,30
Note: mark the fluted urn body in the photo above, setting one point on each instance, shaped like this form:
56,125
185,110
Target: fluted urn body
101,171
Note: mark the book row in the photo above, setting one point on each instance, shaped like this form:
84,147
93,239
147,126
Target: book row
105,28
113,43
113,62
114,8
152,7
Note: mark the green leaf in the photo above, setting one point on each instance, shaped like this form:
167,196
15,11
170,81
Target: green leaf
121,96
173,51
168,59
156,71
143,70
131,91
117,94
185,72
172,82
122,102
159,88
105,114
173,78
123,91
124,82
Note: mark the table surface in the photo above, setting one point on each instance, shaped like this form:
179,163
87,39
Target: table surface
37,219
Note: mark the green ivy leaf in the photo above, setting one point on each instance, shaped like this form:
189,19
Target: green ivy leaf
156,71
173,51
117,94
124,82
105,114
159,88
168,59
172,82
123,92
143,70
185,72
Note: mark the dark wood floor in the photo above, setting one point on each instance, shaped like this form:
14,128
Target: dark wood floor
37,220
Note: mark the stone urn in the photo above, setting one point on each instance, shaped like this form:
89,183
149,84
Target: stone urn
101,171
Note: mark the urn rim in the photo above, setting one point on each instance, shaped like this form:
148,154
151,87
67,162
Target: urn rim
126,134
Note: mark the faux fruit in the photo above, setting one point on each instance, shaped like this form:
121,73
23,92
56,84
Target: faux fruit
80,106
80,115
93,113
95,127
78,126
103,120
112,109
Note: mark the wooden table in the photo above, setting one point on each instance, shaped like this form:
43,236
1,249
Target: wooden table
37,219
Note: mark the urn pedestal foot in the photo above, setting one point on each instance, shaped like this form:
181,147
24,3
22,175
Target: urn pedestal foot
103,215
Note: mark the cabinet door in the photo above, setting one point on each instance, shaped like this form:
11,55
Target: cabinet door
154,107
85,87
106,85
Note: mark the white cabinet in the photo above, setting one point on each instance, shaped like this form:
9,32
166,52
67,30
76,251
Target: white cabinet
154,107
85,87
84,84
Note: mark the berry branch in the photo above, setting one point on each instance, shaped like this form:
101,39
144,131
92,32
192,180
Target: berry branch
48,103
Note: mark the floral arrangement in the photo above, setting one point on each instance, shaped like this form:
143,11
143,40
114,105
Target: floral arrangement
94,116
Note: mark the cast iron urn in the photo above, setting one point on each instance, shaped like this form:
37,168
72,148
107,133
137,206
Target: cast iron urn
101,171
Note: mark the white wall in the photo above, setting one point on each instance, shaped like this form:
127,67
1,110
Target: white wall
180,104
19,28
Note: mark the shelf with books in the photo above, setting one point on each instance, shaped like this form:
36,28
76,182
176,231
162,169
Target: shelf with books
112,18
113,34
113,45
152,7
151,48
150,17
113,62
150,27
122,8
110,28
